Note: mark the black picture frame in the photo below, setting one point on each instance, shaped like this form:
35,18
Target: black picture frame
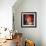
29,19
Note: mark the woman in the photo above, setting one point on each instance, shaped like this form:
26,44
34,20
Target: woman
29,20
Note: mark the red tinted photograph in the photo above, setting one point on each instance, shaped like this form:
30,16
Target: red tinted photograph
28,19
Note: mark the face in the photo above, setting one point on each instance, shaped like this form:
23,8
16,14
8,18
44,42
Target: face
29,19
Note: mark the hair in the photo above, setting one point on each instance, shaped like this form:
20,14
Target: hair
26,16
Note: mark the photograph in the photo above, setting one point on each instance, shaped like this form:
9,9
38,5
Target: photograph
28,19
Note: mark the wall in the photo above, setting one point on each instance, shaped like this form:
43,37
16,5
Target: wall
28,6
43,22
6,13
6,16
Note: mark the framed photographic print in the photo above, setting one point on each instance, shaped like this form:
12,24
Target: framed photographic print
28,19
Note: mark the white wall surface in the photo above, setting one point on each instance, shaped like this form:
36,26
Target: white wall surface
6,13
35,34
43,22
30,33
6,16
